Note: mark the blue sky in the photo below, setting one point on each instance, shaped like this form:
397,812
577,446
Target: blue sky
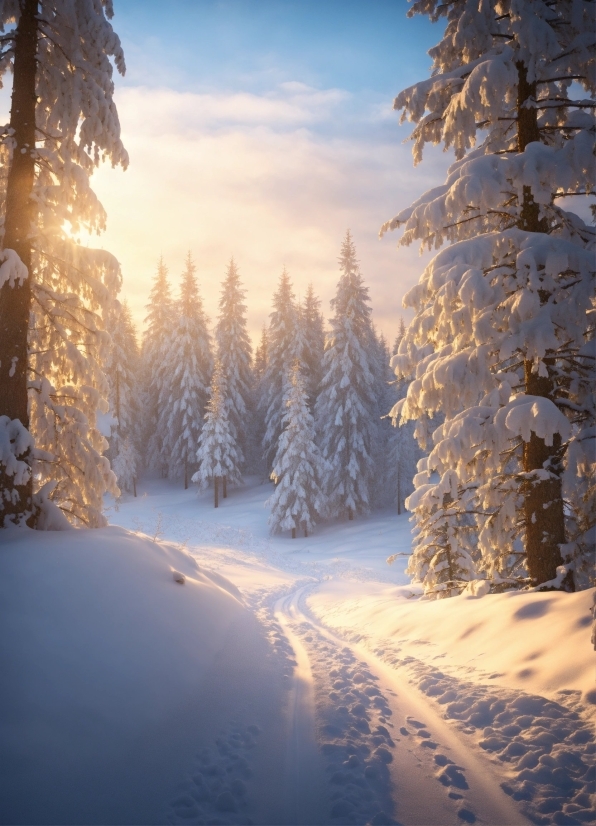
263,129
359,45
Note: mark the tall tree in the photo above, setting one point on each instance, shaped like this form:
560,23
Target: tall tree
122,372
217,454
280,356
187,368
346,411
314,337
156,341
52,292
297,502
235,353
502,341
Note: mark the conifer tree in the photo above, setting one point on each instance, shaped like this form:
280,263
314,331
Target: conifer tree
281,349
217,454
403,450
52,291
187,367
156,341
127,465
314,338
502,341
235,352
122,372
255,458
346,412
261,355
297,501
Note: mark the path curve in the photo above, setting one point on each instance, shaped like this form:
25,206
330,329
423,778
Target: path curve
448,783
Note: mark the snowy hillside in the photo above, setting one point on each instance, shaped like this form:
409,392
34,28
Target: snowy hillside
315,693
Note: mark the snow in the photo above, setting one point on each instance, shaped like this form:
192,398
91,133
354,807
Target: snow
185,666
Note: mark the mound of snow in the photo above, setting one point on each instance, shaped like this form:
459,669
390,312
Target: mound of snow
533,641
108,673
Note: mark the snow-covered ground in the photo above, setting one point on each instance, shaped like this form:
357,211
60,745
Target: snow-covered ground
286,681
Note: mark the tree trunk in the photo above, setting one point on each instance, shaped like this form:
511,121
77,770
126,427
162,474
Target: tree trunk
293,533
225,487
134,487
305,531
350,514
185,473
15,301
543,499
216,491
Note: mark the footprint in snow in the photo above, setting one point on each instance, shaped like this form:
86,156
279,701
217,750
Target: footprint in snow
217,790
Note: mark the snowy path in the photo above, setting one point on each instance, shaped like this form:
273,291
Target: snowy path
419,772
351,717
304,792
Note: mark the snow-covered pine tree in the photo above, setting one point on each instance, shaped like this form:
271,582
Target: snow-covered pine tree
217,454
127,465
254,458
187,366
346,411
122,374
401,331
503,343
156,340
314,339
445,536
234,350
52,292
297,502
403,450
281,349
261,355
383,489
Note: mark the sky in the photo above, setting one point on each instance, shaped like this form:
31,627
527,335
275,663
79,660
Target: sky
263,130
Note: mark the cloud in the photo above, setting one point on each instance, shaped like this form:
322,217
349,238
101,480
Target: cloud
254,177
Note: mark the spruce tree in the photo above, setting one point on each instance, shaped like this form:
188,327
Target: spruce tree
297,502
314,337
186,369
502,340
156,340
346,411
235,352
122,373
281,348
255,458
217,454
127,465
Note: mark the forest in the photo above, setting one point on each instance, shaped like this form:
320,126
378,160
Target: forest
275,478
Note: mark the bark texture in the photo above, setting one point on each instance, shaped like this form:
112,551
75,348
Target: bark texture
15,301
543,499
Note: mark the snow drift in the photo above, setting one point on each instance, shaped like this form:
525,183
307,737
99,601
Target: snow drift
107,662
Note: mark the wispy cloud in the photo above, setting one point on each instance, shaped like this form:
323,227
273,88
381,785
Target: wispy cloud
255,177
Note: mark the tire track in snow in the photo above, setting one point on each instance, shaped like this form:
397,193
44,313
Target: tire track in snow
304,793
434,777
340,703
